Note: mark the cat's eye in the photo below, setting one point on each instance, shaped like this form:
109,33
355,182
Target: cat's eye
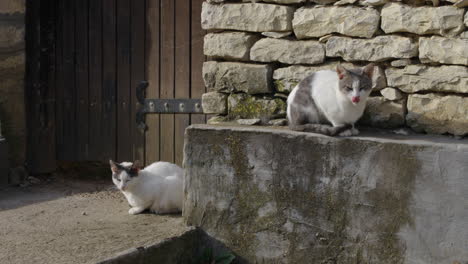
349,88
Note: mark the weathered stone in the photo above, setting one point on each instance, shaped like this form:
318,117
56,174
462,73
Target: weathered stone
464,35
11,38
247,17
278,196
345,2
466,19
12,6
278,122
444,20
400,62
384,113
325,38
438,114
320,21
4,163
461,3
286,79
12,108
443,50
391,94
373,2
284,1
232,76
248,122
217,120
247,107
415,78
288,51
214,103
230,45
377,49
277,35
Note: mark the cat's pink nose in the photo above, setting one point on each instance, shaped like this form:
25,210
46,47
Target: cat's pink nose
355,99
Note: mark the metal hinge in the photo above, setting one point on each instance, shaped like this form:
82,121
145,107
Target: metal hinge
163,106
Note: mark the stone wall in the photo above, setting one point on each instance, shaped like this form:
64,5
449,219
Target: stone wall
259,51
277,196
12,71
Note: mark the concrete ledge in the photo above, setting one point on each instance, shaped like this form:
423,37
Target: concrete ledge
277,196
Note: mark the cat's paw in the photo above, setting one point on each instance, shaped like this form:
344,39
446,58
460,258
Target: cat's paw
346,133
135,210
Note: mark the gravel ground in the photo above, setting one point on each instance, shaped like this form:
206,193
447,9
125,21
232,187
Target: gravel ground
74,221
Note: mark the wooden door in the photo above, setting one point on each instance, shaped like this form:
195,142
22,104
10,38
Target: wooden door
100,51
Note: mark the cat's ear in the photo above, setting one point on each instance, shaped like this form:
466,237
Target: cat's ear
114,167
369,70
341,71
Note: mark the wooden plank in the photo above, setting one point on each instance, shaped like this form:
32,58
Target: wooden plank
108,100
40,88
69,88
182,72
95,81
59,80
82,82
137,73
124,148
167,77
152,73
197,85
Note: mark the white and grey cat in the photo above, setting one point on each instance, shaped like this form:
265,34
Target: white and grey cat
330,102
158,187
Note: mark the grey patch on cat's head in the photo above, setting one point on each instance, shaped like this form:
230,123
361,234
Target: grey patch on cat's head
130,168
355,83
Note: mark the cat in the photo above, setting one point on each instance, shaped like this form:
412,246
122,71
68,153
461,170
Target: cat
158,187
330,102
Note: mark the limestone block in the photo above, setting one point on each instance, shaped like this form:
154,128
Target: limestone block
373,2
244,106
283,1
287,78
400,62
384,113
12,6
235,77
461,3
277,35
438,114
288,51
415,78
214,103
229,45
247,17
11,37
444,20
377,49
391,94
349,20
443,50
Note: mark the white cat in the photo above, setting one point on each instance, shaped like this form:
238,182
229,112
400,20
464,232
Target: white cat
330,102
158,187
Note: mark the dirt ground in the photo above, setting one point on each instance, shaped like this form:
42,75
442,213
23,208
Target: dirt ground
74,221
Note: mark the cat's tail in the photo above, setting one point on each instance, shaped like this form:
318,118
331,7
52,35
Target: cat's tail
320,128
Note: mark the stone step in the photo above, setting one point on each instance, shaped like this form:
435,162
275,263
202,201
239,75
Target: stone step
277,196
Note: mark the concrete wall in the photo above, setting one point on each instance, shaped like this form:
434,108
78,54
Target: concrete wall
259,51
277,196
12,74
